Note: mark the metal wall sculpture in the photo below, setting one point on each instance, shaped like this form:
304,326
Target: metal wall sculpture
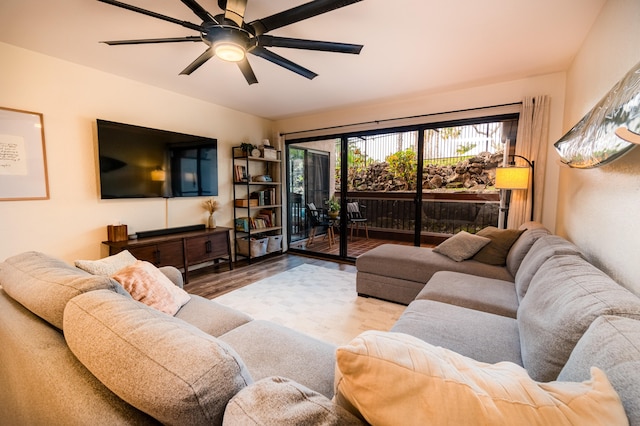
609,130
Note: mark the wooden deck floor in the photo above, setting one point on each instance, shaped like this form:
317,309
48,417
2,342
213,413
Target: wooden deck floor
356,247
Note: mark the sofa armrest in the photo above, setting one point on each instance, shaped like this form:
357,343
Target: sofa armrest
173,274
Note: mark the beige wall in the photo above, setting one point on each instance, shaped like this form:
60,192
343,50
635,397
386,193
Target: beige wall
597,207
72,223
480,96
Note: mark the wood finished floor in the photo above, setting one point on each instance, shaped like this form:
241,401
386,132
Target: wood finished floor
210,282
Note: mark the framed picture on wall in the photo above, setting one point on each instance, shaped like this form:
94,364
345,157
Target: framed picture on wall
23,161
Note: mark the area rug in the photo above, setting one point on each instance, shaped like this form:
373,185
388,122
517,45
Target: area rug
318,301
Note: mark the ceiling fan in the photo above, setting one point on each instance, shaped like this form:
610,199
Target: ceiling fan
230,38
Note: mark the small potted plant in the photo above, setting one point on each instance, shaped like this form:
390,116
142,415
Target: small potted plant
333,207
249,150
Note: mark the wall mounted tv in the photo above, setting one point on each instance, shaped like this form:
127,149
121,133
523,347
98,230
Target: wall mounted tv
139,162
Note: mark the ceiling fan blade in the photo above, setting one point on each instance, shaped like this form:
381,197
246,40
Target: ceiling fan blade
152,40
279,60
206,55
296,14
296,43
235,11
247,71
200,11
154,15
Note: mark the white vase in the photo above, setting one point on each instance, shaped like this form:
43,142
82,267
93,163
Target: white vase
211,223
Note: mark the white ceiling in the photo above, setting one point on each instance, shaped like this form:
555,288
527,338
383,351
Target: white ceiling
410,46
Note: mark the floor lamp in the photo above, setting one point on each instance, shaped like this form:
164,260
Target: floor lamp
514,177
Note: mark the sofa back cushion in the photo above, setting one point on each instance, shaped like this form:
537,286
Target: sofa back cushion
159,364
519,249
542,249
564,298
612,344
44,284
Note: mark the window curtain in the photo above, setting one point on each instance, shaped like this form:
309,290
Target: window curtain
532,141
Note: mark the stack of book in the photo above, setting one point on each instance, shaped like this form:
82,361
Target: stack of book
266,217
266,197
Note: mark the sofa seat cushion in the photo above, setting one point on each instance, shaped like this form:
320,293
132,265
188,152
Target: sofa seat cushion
565,296
281,401
44,284
159,364
544,248
269,349
479,335
211,317
479,293
393,378
612,344
418,264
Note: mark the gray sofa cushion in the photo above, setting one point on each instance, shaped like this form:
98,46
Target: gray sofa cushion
564,298
211,317
280,401
544,248
492,338
461,246
43,383
613,345
159,364
519,249
44,284
479,293
269,349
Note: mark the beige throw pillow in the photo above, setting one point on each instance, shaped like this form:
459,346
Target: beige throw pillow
394,378
108,265
461,246
147,284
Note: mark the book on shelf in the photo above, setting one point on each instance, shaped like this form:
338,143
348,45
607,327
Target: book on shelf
266,197
268,216
242,224
240,173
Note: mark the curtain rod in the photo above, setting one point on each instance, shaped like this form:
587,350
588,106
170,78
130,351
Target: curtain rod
399,118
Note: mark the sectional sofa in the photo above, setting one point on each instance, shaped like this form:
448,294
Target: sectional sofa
552,340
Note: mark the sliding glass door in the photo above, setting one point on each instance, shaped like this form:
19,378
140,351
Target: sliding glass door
414,185
311,182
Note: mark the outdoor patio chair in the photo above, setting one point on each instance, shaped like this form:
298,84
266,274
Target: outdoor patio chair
318,219
356,218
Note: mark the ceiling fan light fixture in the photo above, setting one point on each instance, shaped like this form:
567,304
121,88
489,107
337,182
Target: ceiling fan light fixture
229,51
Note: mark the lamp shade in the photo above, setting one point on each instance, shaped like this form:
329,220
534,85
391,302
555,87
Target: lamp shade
512,177
158,175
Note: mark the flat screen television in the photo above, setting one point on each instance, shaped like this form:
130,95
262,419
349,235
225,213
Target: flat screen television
139,162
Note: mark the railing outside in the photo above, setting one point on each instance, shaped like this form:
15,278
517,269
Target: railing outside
442,213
